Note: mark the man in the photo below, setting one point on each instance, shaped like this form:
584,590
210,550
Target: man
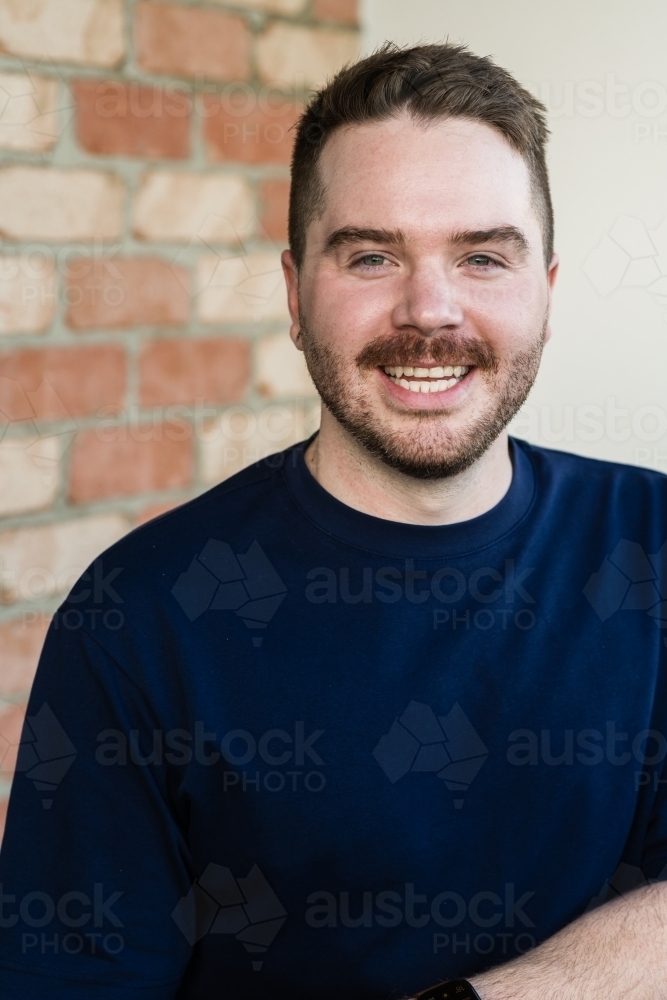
388,710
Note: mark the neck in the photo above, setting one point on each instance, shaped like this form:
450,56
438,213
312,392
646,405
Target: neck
344,468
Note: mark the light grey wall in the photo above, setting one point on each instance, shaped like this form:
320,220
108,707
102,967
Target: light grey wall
601,68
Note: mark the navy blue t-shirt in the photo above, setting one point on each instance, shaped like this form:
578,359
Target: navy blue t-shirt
279,748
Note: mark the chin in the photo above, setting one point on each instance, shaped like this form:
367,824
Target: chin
427,456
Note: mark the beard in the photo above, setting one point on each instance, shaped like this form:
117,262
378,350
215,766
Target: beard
423,444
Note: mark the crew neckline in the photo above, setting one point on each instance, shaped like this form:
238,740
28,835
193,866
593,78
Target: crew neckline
396,538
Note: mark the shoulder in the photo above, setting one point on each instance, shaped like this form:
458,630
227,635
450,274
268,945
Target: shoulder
607,500
146,561
239,498
568,467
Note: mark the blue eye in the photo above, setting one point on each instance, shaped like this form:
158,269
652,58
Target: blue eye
371,260
482,260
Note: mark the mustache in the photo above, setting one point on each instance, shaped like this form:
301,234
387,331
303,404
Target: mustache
409,349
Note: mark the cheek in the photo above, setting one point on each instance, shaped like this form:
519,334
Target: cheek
350,313
507,314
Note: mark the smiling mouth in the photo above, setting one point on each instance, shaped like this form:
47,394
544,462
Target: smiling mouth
434,379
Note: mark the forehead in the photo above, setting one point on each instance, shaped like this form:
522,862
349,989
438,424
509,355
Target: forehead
445,175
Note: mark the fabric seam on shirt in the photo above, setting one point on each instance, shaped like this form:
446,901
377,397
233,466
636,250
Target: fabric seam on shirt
113,659
459,555
206,497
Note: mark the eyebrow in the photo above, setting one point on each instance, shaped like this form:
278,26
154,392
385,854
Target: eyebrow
511,235
347,235
353,234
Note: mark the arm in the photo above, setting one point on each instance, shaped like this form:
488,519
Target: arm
616,952
88,884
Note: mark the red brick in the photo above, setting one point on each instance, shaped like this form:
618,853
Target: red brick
129,464
122,292
214,370
3,817
130,119
11,724
29,112
53,383
155,509
29,472
191,41
253,136
274,197
289,55
64,205
340,11
53,31
43,561
182,206
27,298
21,640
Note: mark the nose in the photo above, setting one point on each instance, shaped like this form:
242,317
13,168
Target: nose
428,303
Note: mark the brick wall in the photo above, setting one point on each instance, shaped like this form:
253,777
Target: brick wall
144,356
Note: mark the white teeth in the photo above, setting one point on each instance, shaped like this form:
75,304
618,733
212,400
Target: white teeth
397,371
436,379
431,385
425,387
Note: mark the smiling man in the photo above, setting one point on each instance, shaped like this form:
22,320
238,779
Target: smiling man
421,297
386,713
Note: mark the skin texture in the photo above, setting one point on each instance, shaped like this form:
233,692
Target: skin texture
422,292
617,952
430,293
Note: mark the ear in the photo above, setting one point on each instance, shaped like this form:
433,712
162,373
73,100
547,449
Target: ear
551,281
292,282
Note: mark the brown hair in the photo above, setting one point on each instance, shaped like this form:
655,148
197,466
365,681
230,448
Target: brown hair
430,82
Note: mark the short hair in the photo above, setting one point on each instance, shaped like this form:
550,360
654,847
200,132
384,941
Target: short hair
430,82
